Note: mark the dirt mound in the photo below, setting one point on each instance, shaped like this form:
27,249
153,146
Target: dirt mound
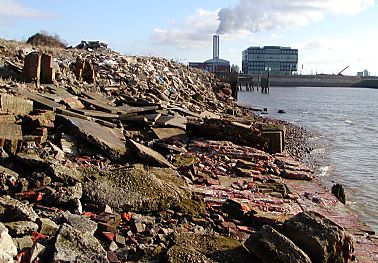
43,39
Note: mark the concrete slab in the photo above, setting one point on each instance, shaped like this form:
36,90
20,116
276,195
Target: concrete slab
170,133
97,114
173,121
110,141
38,99
100,105
149,155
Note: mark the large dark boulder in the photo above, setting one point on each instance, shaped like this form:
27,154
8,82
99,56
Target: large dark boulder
319,237
272,247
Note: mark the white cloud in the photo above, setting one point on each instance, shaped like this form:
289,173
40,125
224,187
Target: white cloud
252,16
10,10
263,15
196,33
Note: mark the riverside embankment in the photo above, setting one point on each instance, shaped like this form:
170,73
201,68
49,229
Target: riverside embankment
323,80
112,158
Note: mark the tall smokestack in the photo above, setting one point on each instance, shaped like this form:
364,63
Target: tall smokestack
215,47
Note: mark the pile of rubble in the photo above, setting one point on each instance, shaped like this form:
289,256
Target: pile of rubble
109,158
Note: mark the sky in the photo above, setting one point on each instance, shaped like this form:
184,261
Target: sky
329,34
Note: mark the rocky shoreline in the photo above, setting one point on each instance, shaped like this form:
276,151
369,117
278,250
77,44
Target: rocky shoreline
112,158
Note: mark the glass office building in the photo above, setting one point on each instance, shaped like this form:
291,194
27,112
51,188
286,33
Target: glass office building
275,59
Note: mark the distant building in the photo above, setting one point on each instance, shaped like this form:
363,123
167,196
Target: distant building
364,73
275,59
235,68
215,64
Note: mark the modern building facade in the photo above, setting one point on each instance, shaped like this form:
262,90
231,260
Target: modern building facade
216,64
275,59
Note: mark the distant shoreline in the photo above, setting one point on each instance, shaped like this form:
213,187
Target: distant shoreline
323,81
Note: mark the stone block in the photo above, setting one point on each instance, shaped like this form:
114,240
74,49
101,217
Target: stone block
15,105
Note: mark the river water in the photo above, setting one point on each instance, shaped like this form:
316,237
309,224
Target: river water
346,120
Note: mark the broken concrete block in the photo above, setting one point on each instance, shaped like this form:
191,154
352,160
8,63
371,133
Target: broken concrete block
24,242
47,69
21,228
149,155
65,195
15,105
320,238
32,67
73,245
64,173
14,210
137,189
110,141
79,222
272,247
7,248
276,141
37,252
47,226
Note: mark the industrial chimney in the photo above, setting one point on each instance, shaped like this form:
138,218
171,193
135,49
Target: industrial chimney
215,47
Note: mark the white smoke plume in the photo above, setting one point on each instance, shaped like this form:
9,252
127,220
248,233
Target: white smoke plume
262,15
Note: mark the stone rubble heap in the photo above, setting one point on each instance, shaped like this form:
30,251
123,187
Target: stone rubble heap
110,158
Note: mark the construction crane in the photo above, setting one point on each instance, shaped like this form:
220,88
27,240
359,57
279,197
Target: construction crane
340,73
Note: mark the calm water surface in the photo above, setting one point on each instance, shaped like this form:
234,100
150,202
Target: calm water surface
347,120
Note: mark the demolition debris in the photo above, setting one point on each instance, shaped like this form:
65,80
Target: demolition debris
112,158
